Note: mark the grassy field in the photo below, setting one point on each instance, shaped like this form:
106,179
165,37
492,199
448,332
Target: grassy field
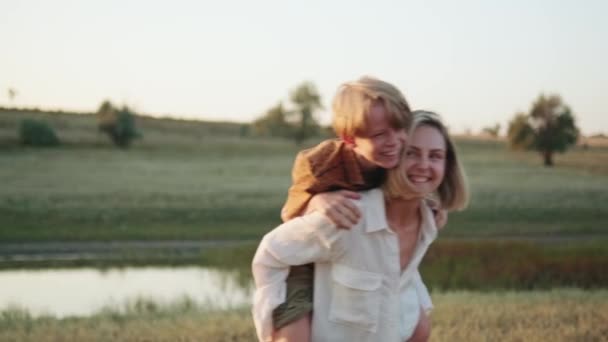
558,315
96,194
527,228
195,181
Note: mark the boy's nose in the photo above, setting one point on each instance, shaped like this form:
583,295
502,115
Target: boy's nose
402,136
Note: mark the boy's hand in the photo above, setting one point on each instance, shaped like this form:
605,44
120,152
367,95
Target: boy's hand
440,215
337,206
441,218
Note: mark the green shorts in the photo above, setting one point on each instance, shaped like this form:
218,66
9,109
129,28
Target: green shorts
298,301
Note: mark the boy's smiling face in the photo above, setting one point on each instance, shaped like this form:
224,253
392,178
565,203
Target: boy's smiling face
381,144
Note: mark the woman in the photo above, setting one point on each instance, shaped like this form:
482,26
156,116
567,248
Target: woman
365,279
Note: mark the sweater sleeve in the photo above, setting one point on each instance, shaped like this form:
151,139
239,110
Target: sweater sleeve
298,194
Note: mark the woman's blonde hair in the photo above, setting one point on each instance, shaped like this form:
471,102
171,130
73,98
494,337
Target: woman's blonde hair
354,99
452,193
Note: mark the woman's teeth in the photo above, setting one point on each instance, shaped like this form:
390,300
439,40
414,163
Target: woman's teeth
419,179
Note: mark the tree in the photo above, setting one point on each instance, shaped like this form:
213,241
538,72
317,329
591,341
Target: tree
37,133
307,100
548,128
12,93
118,123
273,123
298,123
492,131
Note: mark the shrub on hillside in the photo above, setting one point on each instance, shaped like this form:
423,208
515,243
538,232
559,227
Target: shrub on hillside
119,124
37,133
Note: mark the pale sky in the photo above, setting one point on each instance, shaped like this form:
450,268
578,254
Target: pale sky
474,62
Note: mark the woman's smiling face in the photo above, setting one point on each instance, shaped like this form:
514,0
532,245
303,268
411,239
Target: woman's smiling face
425,159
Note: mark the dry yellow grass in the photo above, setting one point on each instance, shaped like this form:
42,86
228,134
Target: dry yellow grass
200,326
555,316
595,141
563,315
589,141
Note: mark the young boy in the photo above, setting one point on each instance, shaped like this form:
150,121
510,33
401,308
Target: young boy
371,118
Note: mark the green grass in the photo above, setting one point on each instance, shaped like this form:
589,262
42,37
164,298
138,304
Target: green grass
450,264
216,191
489,265
188,180
557,315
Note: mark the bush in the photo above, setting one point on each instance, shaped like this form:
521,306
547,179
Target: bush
119,124
37,133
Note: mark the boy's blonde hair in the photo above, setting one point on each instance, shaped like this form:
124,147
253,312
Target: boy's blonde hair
452,193
354,99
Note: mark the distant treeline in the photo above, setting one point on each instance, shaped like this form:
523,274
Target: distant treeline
294,121
86,128
85,120
83,129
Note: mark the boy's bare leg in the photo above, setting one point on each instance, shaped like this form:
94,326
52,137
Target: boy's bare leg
423,329
296,331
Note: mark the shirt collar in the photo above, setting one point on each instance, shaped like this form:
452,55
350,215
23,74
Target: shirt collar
428,228
375,211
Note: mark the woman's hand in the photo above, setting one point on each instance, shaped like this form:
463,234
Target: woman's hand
338,206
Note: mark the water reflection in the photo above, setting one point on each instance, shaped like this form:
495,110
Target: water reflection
83,291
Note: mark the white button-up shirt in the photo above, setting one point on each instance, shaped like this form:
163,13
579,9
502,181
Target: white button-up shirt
360,292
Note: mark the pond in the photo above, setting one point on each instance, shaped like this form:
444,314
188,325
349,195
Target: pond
84,291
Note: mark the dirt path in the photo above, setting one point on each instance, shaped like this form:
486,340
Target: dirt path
62,251
34,251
